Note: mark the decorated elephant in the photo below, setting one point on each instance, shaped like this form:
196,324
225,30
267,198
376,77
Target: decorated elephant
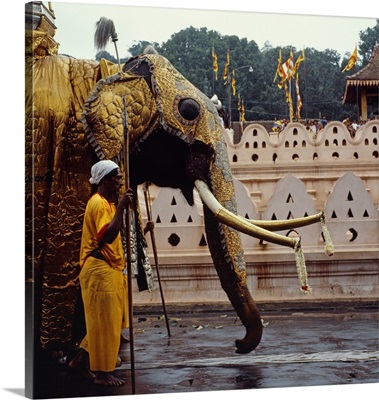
80,111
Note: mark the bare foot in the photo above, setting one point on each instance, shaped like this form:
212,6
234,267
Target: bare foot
107,379
81,363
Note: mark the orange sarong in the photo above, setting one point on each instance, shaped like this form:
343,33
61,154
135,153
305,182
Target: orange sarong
104,292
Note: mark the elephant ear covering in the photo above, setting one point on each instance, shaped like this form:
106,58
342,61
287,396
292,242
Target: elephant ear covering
106,120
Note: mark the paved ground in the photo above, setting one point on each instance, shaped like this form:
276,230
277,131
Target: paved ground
328,346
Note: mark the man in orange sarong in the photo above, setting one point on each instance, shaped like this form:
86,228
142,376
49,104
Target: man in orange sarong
103,284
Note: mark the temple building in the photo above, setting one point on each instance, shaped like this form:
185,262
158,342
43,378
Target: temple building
362,88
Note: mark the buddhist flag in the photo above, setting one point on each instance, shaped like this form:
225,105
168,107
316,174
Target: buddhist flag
242,117
288,67
287,70
300,58
226,68
279,66
352,60
299,102
234,89
215,63
241,109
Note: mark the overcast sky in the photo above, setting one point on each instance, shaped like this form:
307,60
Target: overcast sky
281,26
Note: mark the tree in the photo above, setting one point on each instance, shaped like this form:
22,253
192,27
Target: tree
139,47
321,81
368,39
190,51
107,56
322,84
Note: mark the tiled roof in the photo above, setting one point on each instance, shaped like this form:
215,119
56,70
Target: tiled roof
371,70
368,76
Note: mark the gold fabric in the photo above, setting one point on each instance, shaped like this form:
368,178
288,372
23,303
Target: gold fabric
104,115
108,68
40,44
58,163
171,87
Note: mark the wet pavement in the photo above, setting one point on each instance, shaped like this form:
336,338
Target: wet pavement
324,345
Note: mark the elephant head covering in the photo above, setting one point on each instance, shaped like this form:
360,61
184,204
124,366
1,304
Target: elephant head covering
101,169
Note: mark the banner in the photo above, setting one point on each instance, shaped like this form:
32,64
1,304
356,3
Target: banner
352,60
215,64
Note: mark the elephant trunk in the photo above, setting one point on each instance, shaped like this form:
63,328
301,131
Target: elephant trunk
203,168
234,284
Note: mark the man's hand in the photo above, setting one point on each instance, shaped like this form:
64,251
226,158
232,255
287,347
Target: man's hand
148,227
126,198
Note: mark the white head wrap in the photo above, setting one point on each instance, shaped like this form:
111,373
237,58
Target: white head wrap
100,169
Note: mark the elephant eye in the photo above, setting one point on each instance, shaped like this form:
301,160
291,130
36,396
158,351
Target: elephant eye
189,109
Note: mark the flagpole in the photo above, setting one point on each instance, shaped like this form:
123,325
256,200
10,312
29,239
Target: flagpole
229,101
229,84
214,72
356,90
305,86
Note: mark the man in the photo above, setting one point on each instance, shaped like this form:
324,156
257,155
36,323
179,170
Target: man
101,277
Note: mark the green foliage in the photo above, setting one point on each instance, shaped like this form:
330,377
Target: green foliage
139,47
321,80
369,38
104,54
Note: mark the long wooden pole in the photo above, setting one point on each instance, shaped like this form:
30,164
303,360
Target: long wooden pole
129,253
149,217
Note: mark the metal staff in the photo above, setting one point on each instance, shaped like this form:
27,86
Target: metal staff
146,193
105,30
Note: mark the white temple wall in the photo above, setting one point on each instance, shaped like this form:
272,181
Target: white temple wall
279,176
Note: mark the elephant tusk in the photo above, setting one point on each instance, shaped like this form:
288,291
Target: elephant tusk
278,225
246,226
241,224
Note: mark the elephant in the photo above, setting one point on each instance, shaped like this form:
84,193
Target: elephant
150,118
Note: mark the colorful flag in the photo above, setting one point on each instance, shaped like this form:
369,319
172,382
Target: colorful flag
233,82
242,117
287,70
279,69
241,108
226,68
215,63
299,102
352,60
288,67
300,58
